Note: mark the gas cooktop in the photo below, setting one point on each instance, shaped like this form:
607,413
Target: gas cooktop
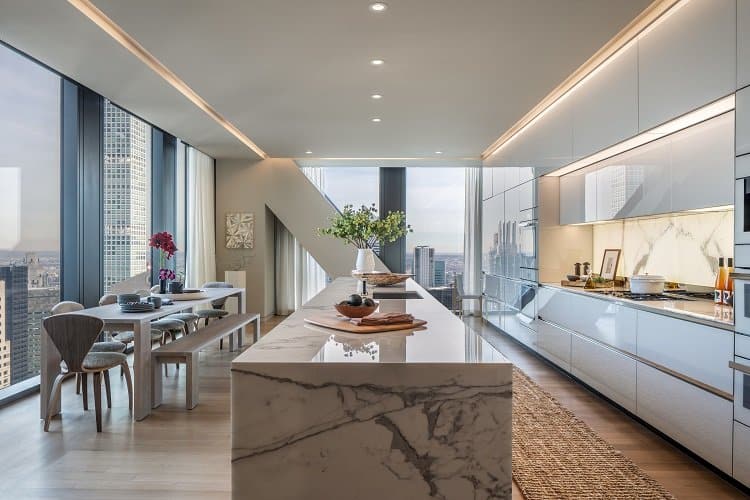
642,296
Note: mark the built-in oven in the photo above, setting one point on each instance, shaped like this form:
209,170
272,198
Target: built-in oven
741,366
742,210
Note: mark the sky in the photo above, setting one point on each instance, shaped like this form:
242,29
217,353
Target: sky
29,155
434,201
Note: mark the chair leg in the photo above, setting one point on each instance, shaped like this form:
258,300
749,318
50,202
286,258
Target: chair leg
124,368
221,343
98,400
54,397
85,387
107,389
78,383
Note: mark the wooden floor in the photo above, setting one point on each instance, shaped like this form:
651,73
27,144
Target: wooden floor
185,454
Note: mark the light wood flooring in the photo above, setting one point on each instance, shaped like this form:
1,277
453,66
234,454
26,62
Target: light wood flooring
183,454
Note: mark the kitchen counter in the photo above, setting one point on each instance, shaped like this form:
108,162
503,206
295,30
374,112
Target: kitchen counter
695,310
318,413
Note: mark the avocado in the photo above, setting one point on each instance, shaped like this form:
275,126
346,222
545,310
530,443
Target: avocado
355,300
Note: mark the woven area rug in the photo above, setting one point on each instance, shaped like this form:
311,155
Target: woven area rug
558,456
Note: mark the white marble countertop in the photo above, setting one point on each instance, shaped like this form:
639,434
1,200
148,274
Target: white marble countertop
445,338
699,311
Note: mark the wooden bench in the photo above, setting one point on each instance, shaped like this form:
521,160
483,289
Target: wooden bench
186,350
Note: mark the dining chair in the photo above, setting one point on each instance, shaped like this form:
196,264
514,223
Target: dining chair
74,335
217,306
462,295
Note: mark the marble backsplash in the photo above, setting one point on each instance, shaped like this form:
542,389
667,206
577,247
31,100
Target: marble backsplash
682,247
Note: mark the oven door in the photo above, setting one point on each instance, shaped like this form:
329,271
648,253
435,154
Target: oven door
742,213
741,302
741,368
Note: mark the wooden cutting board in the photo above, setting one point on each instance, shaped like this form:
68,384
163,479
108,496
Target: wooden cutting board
344,325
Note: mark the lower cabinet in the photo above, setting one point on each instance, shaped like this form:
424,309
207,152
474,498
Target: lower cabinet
695,418
518,329
554,344
741,463
606,370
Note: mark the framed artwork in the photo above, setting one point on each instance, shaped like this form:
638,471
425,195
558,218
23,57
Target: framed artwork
609,263
240,230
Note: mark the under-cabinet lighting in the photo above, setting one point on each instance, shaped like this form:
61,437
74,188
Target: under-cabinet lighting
111,28
707,112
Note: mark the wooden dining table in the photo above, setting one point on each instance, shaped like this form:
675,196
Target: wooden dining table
140,324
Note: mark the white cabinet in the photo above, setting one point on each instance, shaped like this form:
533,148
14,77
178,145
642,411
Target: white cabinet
578,196
742,116
741,465
606,370
686,61
554,344
640,182
743,43
493,213
511,177
605,108
487,183
703,165
695,418
698,351
527,195
498,180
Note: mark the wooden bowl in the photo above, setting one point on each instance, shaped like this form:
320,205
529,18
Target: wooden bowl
381,279
355,311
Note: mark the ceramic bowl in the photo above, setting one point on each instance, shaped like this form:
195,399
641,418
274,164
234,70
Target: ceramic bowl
355,311
128,298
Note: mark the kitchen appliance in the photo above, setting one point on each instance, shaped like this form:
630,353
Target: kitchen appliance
647,283
640,297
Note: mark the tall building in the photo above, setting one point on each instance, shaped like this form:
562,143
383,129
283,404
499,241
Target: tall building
127,174
5,347
40,303
439,274
14,302
424,265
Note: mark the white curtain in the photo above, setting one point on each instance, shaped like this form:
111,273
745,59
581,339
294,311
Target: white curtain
200,266
298,276
473,238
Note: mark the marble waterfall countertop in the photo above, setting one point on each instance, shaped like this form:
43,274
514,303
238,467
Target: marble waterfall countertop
696,310
318,413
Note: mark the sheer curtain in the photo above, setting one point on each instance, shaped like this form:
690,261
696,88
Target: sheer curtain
200,265
473,238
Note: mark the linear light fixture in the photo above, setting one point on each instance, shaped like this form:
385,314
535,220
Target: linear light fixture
107,25
644,22
707,112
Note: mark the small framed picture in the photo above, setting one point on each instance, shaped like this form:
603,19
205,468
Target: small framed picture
609,263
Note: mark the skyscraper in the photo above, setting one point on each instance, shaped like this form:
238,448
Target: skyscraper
439,275
424,265
14,301
127,174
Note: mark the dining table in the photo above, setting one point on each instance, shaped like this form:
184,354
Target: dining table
139,323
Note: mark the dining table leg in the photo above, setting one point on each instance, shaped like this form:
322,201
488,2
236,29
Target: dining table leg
142,370
241,310
50,369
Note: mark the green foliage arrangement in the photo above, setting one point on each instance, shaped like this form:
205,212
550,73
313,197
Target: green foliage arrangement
363,228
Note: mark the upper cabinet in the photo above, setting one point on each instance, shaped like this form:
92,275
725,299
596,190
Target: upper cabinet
605,108
742,110
687,60
486,183
743,43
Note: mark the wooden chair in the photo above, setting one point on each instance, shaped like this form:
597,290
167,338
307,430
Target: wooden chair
217,305
74,335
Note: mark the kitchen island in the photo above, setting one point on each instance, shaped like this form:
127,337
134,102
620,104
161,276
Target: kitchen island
318,413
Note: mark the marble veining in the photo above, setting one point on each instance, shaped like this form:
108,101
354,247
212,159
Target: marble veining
322,414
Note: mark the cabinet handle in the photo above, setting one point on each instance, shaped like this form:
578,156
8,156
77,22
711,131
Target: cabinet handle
527,223
740,367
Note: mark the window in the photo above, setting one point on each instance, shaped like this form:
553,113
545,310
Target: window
346,185
180,238
127,195
29,211
435,209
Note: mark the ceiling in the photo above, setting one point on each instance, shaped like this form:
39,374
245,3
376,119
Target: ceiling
294,75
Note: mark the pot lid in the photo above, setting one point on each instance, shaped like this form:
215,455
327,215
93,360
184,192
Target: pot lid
647,277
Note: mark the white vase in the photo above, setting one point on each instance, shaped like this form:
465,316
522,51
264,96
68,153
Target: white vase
365,260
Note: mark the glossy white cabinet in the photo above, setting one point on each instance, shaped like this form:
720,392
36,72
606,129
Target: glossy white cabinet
498,180
640,183
606,370
605,108
511,177
743,43
527,196
603,320
687,61
487,183
695,418
702,165
741,464
493,215
742,116
554,344
573,198
698,351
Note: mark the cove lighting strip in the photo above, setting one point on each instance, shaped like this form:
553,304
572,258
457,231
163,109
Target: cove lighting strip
107,25
707,112
646,21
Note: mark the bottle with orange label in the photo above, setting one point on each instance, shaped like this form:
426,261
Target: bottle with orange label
728,292
721,280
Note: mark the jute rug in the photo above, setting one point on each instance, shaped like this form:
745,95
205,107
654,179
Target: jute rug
557,456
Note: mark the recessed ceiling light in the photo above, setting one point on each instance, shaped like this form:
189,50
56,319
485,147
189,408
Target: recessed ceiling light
378,7
377,62
308,152
376,96
438,152
376,120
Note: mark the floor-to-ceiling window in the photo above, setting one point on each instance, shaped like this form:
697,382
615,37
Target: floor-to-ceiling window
126,196
435,208
180,235
29,211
